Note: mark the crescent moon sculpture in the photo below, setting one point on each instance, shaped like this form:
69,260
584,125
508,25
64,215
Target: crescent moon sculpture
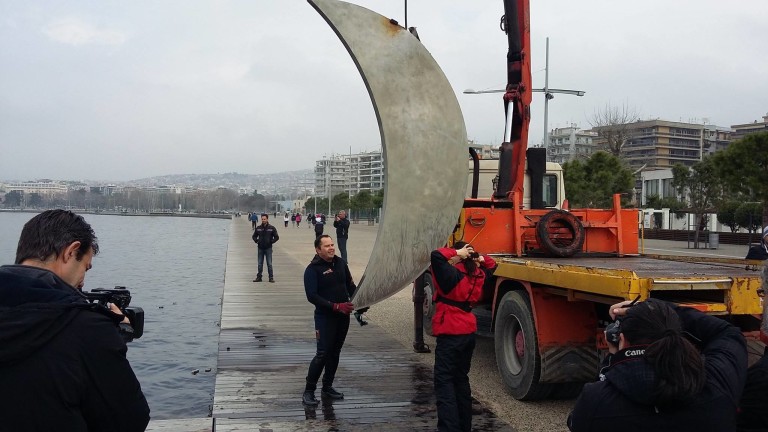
424,144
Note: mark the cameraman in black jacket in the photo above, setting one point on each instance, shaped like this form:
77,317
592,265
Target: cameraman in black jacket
659,381
62,359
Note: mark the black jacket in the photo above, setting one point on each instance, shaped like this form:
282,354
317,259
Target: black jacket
758,252
624,400
326,283
62,360
265,236
753,410
342,228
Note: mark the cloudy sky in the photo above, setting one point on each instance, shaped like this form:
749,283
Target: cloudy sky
119,90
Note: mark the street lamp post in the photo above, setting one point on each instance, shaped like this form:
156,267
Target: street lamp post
549,93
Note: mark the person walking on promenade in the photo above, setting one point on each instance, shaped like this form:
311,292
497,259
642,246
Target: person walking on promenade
458,276
298,220
341,223
329,286
285,219
319,223
253,217
293,219
265,235
310,220
759,252
63,363
658,380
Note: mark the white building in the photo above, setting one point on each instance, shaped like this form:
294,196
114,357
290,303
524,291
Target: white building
41,187
349,173
570,143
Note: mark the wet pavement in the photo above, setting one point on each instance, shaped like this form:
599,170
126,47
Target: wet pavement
266,344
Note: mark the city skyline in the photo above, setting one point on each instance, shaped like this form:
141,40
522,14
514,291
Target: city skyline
123,91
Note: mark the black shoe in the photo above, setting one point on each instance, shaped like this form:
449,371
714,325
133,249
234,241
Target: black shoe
258,279
308,399
332,393
272,280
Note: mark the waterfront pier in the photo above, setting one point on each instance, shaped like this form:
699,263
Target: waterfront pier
267,341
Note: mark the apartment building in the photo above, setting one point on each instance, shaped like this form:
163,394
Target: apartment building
663,144
41,187
570,143
742,130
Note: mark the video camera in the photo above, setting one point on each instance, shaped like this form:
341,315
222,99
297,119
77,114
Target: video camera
120,297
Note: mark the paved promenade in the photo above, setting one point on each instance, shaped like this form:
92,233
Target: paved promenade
267,341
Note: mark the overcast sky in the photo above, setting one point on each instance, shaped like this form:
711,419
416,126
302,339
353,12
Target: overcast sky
120,90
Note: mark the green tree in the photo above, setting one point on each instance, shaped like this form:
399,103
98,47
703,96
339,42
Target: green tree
13,199
748,214
35,200
310,204
378,199
700,187
743,167
591,184
726,214
340,201
362,200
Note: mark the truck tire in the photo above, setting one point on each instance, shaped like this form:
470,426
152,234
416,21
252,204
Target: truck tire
560,233
517,348
428,305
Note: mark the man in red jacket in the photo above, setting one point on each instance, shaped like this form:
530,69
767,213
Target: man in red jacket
458,277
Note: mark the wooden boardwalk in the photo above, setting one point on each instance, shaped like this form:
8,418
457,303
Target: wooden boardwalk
266,344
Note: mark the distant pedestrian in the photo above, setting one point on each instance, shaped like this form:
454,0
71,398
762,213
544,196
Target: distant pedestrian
265,235
310,220
342,233
285,219
253,217
319,222
298,220
293,219
329,286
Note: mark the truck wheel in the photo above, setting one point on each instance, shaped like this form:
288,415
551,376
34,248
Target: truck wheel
428,305
517,348
560,233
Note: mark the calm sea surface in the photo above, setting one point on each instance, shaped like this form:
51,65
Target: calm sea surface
174,268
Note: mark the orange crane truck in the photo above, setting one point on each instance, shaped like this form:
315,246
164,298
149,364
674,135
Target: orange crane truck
560,269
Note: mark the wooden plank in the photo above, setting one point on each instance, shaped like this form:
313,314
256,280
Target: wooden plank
267,341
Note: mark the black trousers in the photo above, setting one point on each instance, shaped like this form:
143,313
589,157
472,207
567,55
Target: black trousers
453,358
331,330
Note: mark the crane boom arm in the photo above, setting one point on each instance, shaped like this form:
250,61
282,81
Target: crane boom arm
517,99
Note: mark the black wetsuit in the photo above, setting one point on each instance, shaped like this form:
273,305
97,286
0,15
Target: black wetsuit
326,283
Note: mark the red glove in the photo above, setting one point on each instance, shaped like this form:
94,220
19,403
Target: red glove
345,308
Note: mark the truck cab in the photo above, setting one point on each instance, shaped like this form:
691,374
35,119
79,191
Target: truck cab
553,190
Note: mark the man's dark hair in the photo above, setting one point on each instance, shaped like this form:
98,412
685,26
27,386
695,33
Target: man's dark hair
677,364
319,240
265,215
50,232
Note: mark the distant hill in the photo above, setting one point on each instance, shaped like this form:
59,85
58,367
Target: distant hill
282,182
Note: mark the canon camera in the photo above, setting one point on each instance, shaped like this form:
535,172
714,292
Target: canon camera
120,297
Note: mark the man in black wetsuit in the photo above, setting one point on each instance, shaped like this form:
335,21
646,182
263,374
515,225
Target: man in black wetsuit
62,359
329,286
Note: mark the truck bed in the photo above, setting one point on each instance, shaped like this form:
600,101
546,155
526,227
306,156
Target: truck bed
716,285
